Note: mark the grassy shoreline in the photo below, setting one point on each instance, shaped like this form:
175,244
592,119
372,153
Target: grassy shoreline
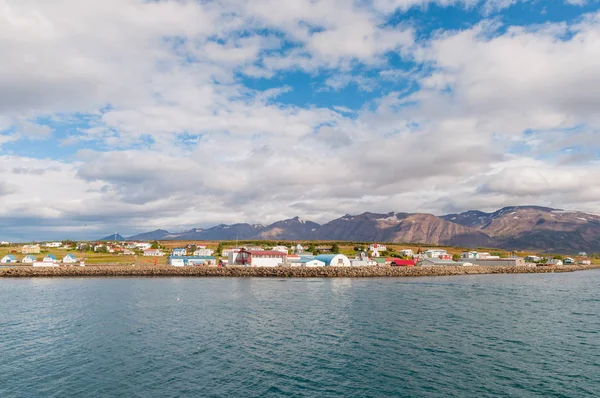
276,272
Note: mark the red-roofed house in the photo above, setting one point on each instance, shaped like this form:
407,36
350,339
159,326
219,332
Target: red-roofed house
260,258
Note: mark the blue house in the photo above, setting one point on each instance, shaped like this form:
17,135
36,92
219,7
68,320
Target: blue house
50,258
179,252
8,259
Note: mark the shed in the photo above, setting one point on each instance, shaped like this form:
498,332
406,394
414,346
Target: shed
307,262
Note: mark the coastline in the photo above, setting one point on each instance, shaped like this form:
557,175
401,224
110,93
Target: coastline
276,272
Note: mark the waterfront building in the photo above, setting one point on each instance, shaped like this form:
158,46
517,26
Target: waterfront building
8,259
260,258
29,259
554,261
533,259
469,255
44,264
398,262
584,261
334,260
182,261
306,262
50,258
69,259
499,262
437,262
568,261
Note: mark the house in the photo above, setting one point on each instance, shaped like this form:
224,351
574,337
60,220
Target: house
375,253
584,261
554,261
179,252
282,249
53,244
363,261
259,258
406,253
568,261
50,258
31,249
69,259
378,247
182,261
306,262
434,253
226,252
398,262
8,259
203,251
142,245
29,259
469,255
153,253
334,260
299,249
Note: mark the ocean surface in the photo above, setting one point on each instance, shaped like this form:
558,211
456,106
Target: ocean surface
465,336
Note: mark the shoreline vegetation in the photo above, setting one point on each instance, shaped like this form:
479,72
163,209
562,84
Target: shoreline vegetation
275,272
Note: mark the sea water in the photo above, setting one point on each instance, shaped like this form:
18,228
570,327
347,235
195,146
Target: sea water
465,336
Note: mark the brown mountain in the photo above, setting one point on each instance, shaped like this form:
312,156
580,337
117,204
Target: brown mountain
519,227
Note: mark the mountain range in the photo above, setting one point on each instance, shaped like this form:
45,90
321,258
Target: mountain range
513,228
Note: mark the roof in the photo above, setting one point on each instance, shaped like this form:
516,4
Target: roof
399,261
70,255
440,261
30,256
306,260
327,258
11,256
51,256
265,253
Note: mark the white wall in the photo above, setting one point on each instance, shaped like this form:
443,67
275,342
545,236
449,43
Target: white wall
266,261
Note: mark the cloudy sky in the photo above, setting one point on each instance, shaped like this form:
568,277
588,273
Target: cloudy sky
131,115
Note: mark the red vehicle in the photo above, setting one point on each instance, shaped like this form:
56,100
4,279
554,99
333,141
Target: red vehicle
398,262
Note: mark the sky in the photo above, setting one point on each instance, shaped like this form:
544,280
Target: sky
129,115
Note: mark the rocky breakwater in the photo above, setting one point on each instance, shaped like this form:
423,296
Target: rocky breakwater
276,272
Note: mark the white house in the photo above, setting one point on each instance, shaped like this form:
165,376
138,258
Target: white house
585,262
299,248
53,244
203,251
8,259
153,253
378,247
334,260
143,245
282,249
179,252
50,258
554,261
375,253
406,253
69,259
29,259
231,255
260,258
434,253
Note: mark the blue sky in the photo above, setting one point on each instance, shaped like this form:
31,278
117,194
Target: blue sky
127,115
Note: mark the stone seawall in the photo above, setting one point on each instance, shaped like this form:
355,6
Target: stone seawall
276,272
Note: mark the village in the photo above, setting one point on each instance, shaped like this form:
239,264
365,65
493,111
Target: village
267,254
